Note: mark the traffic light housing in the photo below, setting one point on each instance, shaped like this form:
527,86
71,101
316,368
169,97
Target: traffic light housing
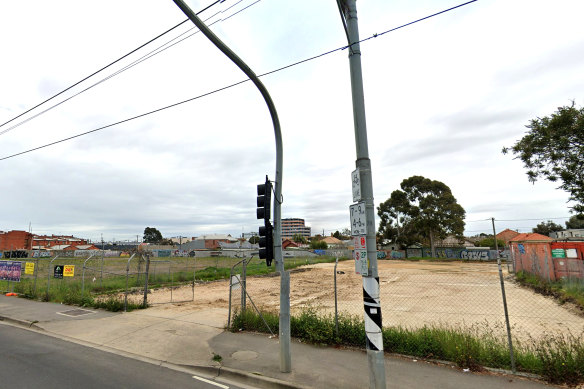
263,210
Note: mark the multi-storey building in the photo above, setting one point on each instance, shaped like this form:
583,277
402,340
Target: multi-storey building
294,226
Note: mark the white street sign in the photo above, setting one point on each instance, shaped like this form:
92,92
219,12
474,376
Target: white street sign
356,183
358,219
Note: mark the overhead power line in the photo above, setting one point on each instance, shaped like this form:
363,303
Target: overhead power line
539,219
145,57
228,86
103,68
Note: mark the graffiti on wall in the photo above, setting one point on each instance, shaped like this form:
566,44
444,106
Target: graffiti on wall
41,254
393,254
14,254
476,255
459,253
413,253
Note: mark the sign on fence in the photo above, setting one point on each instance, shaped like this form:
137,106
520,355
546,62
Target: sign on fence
58,271
69,270
29,268
10,270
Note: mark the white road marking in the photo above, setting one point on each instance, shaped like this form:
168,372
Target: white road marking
211,382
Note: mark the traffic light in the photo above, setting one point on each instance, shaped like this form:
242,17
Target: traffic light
263,212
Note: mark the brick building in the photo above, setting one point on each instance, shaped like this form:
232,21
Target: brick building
42,242
551,260
16,240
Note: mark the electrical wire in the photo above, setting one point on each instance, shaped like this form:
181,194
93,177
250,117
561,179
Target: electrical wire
225,87
102,69
539,219
145,57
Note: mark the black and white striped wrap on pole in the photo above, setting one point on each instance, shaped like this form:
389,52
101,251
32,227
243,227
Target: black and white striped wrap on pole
372,309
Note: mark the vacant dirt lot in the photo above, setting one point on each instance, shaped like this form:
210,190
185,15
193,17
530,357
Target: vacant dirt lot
413,294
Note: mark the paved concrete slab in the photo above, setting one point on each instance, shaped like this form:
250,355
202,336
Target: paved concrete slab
327,367
36,311
188,337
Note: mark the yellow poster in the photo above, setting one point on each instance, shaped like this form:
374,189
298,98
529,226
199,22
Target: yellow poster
69,271
29,268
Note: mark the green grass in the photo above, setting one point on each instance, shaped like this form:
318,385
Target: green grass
558,358
105,280
564,291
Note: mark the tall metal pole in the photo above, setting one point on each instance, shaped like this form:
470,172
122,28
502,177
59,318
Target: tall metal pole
509,340
371,301
285,357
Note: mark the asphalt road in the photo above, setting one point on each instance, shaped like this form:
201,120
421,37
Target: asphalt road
33,360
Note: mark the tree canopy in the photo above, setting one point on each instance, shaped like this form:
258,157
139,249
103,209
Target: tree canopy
490,242
546,228
345,235
317,244
152,235
553,149
422,208
576,221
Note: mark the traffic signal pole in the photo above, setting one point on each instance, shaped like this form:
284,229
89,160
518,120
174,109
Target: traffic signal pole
284,335
371,301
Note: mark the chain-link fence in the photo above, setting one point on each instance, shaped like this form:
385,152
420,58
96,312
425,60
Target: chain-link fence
465,295
100,275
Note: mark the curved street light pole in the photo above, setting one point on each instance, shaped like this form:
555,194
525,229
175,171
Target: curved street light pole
284,335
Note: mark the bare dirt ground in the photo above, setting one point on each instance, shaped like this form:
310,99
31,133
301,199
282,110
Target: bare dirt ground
413,294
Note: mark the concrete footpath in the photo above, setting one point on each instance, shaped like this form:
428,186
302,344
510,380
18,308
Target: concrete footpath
186,338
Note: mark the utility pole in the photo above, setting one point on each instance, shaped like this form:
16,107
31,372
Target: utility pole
284,334
364,183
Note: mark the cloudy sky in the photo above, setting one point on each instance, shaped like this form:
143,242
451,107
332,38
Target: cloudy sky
442,96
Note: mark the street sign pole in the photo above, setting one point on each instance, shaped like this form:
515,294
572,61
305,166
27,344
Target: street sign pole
371,301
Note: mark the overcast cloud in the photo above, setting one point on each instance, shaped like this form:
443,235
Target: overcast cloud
443,97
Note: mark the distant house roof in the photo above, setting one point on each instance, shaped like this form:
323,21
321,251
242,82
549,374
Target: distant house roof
59,247
453,241
332,240
289,243
531,237
216,237
507,234
86,247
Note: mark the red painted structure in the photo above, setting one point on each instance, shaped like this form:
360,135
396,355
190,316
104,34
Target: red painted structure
551,260
572,266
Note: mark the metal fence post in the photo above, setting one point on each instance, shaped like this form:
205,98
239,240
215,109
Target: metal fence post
83,275
336,307
126,294
512,356
101,272
36,274
194,273
145,302
171,278
49,275
242,282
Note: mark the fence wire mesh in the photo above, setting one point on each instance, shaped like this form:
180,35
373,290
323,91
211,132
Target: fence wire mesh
74,279
416,294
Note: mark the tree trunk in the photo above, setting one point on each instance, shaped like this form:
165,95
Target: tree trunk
432,248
